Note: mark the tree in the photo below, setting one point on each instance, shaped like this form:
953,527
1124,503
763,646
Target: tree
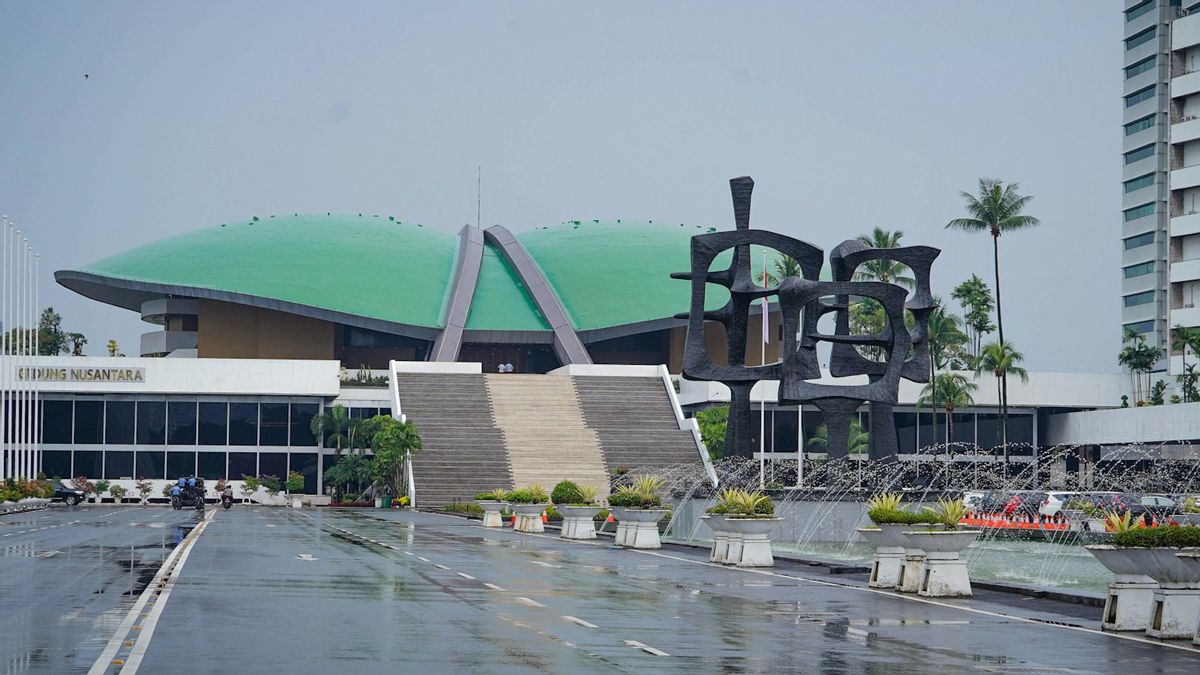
394,441
113,348
1183,339
1000,359
334,428
712,423
351,469
950,392
1157,392
859,440
1187,382
52,341
1138,357
944,338
787,266
77,341
885,271
977,303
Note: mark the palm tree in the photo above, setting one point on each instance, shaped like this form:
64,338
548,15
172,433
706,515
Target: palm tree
886,271
787,266
859,442
1183,338
1000,359
944,337
950,392
977,303
1138,357
334,428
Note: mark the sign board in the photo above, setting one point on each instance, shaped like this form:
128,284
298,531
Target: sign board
81,374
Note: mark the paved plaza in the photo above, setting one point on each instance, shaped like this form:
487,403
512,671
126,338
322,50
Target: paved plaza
317,591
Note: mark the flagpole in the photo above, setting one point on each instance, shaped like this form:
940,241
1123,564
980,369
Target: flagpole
762,402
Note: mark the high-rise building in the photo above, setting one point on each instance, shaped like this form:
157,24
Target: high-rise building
1183,244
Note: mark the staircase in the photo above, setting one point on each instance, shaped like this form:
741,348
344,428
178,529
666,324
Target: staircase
634,420
462,451
544,431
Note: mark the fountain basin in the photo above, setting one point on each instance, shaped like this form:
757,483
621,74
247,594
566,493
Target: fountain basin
945,541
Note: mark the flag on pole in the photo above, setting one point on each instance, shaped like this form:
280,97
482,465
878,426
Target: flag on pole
766,327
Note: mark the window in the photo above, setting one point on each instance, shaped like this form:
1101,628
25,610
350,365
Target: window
118,464
150,464
56,422
242,464
306,464
1138,241
180,464
152,423
118,423
214,423
273,424
302,416
243,424
1141,326
181,423
1139,212
56,463
89,423
273,464
1139,299
89,463
1139,124
210,465
1139,96
1139,67
1139,154
1138,10
1139,183
1141,38
1139,269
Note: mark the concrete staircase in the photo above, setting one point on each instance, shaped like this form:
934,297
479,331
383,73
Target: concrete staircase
463,452
633,418
544,431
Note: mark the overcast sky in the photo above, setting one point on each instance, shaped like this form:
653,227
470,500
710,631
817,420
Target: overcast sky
849,115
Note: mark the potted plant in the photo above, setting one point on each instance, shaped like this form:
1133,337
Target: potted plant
1155,552
295,487
250,485
577,505
492,504
117,492
99,489
715,517
144,488
528,503
750,517
637,509
1130,597
945,571
271,485
87,487
887,537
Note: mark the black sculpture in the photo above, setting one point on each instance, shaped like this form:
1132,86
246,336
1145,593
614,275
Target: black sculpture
803,301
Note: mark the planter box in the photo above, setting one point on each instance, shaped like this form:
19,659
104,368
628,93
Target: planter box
1176,607
1130,600
755,543
491,512
722,537
638,528
889,542
529,517
945,574
578,521
295,501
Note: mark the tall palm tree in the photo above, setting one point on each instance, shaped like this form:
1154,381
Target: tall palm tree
1000,359
334,428
1183,338
787,266
944,338
950,392
886,271
859,440
1139,358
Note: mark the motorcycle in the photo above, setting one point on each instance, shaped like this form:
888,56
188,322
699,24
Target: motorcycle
227,498
176,502
198,498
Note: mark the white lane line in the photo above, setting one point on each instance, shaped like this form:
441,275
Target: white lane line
408,553
465,575
646,648
422,559
531,603
494,587
579,621
440,567
545,564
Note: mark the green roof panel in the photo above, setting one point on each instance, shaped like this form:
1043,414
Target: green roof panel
501,301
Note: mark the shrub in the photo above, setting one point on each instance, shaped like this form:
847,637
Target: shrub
295,482
533,494
144,487
601,516
566,492
1123,522
743,504
552,514
902,517
101,487
625,496
166,490
469,508
250,484
270,483
117,492
350,497
948,512
888,502
497,495
1173,536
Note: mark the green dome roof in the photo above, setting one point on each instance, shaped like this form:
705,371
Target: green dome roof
605,274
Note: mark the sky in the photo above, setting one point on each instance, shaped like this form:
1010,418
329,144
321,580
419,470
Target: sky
849,116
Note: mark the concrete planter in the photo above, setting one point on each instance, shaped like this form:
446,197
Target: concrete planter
755,543
529,517
722,537
295,501
1176,601
578,521
1191,558
889,542
945,571
638,528
491,512
1130,599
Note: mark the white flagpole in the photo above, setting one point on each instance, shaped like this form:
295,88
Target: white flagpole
19,417
762,403
5,459
37,393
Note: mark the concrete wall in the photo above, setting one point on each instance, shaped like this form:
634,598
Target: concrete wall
265,377
1150,424
228,330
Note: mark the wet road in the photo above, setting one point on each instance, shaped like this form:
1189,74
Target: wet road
277,590
69,574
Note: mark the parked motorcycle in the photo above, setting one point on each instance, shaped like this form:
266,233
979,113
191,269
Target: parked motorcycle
227,498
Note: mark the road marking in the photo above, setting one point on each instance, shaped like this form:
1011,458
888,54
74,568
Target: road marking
306,556
408,553
494,587
579,621
545,564
422,559
440,567
531,603
646,648
465,575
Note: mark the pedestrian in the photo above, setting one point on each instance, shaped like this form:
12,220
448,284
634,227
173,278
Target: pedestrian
508,368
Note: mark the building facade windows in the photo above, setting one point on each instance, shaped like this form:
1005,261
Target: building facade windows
1141,38
1140,326
1139,241
1139,183
1139,299
1140,67
1139,269
151,422
1139,125
1139,154
1138,10
1139,96
1139,212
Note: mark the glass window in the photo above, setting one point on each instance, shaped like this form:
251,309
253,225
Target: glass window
1139,96
89,463
987,430
151,423
242,464
273,424
180,464
302,416
1139,183
1141,38
1141,326
210,465
1139,241
1020,431
305,463
150,464
363,413
925,430
118,423
273,464
906,432
1139,269
181,423
964,430
1140,67
1138,10
214,423
56,463
118,464
243,424
387,412
1139,154
89,422
56,422
785,431
1139,299
1139,212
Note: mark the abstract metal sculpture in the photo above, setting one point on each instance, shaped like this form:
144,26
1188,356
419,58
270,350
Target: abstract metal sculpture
803,301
